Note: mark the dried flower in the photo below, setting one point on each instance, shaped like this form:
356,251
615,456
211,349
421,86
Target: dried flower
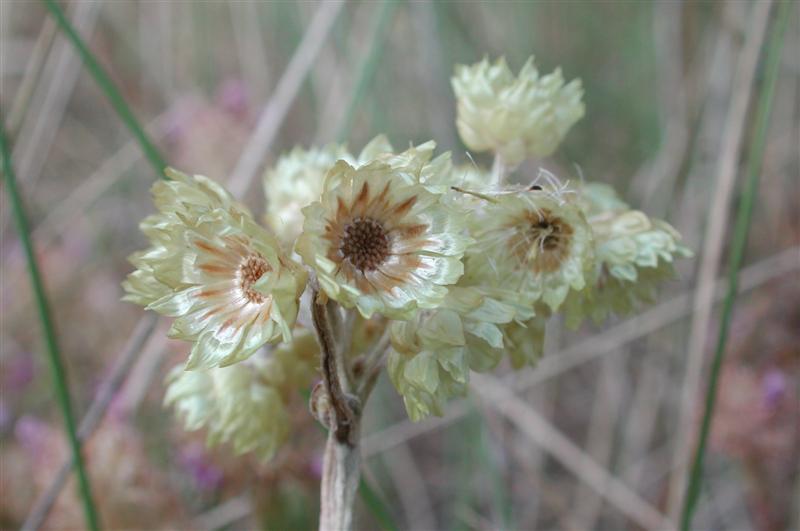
223,277
438,268
233,404
432,354
296,181
427,364
514,116
381,243
532,244
634,255
246,404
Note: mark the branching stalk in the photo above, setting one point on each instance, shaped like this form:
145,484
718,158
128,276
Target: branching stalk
341,468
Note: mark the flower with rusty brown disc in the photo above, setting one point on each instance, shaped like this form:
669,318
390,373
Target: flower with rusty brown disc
380,242
225,279
532,246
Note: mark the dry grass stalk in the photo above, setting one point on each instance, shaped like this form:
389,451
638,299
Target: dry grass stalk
718,222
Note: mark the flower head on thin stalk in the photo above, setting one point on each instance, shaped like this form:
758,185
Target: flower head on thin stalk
224,278
381,243
516,117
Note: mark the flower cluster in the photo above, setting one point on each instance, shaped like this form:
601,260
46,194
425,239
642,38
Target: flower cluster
431,268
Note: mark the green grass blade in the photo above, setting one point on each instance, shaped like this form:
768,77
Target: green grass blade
368,66
51,343
743,218
108,87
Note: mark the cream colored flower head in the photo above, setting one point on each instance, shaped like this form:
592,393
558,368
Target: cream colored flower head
428,364
432,354
599,200
182,201
417,165
247,404
635,254
516,117
224,278
234,404
380,242
533,245
296,181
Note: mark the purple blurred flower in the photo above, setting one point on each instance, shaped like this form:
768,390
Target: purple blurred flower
233,96
178,121
31,433
205,474
77,246
20,372
773,388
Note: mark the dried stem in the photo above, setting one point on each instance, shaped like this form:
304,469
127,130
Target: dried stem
57,368
718,222
344,414
372,366
542,433
283,96
340,474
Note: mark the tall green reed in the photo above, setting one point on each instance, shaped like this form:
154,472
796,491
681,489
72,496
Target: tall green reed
741,230
48,330
105,83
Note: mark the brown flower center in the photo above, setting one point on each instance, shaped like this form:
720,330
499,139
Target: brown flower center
542,241
547,233
252,269
365,244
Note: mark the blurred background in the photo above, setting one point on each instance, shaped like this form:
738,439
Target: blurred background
602,428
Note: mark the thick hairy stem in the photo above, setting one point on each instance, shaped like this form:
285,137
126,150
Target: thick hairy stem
340,473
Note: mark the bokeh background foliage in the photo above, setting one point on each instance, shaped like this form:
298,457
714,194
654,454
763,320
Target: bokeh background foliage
659,81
